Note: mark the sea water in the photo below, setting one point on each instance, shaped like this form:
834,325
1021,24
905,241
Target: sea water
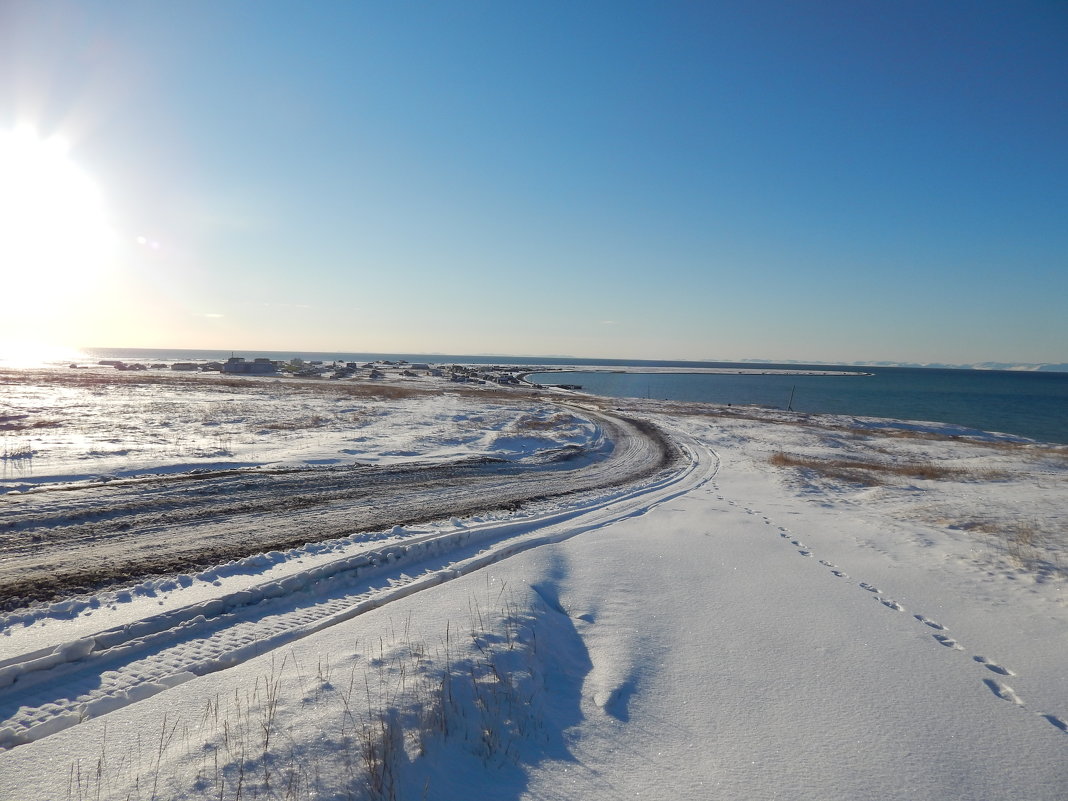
1028,404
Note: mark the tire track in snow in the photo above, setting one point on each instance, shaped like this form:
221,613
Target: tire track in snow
73,540
43,693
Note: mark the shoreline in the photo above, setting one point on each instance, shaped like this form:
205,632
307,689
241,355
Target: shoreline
695,371
567,369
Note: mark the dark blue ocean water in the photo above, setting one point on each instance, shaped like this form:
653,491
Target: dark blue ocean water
1028,404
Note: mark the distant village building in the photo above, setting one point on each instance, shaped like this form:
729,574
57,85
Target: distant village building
237,365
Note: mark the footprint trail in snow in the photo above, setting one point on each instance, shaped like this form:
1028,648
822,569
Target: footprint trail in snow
998,688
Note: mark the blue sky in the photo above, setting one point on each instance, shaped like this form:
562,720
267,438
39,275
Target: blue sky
837,181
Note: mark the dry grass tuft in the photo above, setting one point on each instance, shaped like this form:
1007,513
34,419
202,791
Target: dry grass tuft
8,424
1023,542
482,694
18,452
873,473
313,421
531,423
394,392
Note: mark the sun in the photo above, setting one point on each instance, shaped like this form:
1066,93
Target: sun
55,236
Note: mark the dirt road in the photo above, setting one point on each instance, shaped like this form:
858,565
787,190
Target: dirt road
63,540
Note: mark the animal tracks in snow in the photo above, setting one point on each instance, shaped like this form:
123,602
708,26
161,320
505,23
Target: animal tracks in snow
928,622
1003,691
940,635
1003,671
1056,721
999,688
948,641
834,569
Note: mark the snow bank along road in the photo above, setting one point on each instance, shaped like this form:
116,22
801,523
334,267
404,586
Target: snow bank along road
60,540
58,686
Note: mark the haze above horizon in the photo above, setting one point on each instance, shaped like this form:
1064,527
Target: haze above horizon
842,182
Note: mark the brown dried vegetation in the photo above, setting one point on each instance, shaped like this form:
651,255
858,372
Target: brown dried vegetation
531,423
16,424
874,473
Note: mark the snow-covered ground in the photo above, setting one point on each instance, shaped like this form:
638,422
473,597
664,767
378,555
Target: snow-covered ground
60,426
810,607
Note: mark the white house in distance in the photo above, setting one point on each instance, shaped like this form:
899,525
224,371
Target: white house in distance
237,364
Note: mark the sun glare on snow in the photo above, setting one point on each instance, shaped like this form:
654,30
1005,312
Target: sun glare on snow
23,353
54,232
